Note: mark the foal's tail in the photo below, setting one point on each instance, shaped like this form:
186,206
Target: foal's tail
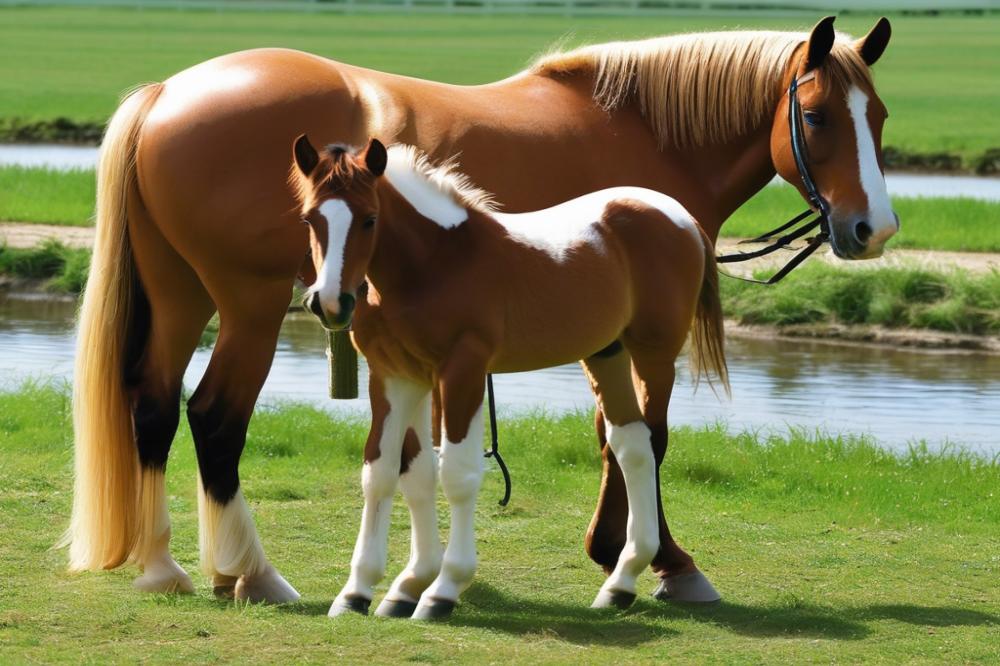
105,527
708,349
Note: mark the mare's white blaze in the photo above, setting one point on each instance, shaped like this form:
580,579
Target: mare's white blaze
461,472
378,482
557,230
633,450
424,196
338,222
880,216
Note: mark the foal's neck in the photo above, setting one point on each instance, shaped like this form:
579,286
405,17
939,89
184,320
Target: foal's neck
404,244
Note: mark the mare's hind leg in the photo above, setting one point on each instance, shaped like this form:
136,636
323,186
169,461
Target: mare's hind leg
176,307
219,412
394,404
418,478
628,438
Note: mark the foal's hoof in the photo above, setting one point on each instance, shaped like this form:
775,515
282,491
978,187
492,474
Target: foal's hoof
396,608
689,587
268,587
433,609
350,604
164,576
613,599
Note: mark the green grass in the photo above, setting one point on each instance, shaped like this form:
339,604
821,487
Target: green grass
927,223
62,268
900,297
825,550
33,194
939,76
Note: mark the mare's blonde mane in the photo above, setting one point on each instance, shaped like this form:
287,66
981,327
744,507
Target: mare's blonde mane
701,88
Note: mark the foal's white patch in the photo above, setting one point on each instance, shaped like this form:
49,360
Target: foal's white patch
880,215
558,229
424,196
338,222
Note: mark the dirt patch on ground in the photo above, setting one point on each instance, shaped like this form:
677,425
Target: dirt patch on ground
18,234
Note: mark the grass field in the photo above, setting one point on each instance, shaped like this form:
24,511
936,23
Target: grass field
824,550
55,197
940,77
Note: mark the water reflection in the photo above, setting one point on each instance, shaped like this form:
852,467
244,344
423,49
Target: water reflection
896,396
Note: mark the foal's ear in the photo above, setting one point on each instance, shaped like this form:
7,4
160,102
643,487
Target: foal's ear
820,43
872,46
306,157
375,157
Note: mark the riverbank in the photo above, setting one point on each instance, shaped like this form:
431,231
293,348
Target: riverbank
823,548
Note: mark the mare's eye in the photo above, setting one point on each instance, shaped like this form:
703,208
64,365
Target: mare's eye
814,118
304,221
369,222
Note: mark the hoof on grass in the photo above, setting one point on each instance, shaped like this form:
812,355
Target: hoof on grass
396,608
164,576
613,599
690,588
433,609
267,587
350,604
223,586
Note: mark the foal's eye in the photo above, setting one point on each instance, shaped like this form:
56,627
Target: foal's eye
304,221
814,118
369,222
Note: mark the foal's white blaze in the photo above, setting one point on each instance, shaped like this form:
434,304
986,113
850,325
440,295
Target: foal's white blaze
633,449
338,222
880,216
426,197
557,230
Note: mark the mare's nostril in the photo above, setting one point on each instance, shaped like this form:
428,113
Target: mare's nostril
862,232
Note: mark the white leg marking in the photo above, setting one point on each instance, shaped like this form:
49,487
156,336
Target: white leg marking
418,486
461,470
378,482
632,448
338,217
160,573
880,216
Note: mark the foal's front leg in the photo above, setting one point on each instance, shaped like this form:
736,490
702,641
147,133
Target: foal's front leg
394,402
463,379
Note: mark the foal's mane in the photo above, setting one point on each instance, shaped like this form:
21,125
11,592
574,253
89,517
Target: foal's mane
701,88
445,178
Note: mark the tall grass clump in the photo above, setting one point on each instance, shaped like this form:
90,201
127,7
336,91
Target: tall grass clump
954,301
64,268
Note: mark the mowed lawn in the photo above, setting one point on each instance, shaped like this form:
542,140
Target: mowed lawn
824,551
940,76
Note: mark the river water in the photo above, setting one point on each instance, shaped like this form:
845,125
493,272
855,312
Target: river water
898,397
899,184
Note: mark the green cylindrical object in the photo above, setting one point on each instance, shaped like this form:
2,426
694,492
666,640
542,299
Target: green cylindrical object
343,359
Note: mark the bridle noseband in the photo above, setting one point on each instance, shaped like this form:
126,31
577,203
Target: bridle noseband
817,204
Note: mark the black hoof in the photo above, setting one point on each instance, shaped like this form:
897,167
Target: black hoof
224,591
396,608
621,600
434,609
351,604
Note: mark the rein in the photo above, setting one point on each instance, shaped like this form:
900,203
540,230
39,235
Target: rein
815,200
494,451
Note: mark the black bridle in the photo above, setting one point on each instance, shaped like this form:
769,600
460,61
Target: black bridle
817,204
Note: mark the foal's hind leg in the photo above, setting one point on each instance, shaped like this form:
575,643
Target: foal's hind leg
628,439
219,412
394,403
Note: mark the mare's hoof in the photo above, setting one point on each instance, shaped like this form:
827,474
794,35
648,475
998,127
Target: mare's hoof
689,587
165,577
268,587
613,599
396,608
350,604
433,609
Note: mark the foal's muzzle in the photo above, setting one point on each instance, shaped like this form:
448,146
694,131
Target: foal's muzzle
333,321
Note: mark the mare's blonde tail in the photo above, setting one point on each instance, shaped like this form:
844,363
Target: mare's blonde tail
708,349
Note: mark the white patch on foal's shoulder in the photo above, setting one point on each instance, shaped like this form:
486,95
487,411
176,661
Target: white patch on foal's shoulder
558,229
427,198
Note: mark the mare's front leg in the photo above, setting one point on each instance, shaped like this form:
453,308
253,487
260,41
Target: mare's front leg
462,382
394,403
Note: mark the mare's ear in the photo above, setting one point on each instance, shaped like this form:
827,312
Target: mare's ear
375,157
820,42
872,46
306,157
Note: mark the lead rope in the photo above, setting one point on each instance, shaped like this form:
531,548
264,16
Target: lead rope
494,451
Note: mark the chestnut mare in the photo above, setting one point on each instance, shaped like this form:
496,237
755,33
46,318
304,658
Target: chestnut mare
616,278
194,216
